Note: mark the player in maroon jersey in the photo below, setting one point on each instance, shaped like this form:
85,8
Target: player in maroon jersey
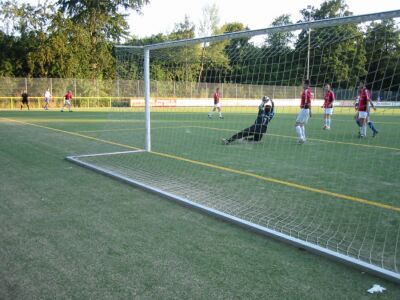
217,105
67,101
305,112
329,97
364,101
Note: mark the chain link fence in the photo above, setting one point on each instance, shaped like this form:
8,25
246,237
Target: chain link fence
93,93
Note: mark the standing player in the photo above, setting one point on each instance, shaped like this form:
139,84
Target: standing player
47,96
328,106
363,109
67,101
305,112
256,131
24,100
371,124
217,104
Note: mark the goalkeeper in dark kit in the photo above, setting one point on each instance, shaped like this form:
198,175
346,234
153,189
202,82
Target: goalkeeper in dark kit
256,131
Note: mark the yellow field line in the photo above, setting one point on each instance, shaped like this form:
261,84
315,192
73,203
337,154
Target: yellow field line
61,120
127,121
310,139
283,182
221,168
73,133
131,129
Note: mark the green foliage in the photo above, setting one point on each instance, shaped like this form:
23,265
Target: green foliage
280,40
101,17
344,63
236,50
74,38
383,54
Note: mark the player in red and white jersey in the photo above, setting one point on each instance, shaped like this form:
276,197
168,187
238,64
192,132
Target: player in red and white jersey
67,101
305,112
329,98
364,101
217,105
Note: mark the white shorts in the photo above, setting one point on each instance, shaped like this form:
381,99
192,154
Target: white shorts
328,111
303,116
67,102
218,105
362,114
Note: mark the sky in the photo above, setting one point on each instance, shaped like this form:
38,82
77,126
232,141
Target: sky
160,16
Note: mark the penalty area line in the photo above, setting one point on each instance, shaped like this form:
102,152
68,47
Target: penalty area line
73,133
131,129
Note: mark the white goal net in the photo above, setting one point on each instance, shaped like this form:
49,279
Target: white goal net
187,123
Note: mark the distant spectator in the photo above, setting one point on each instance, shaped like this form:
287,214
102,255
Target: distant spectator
47,97
25,100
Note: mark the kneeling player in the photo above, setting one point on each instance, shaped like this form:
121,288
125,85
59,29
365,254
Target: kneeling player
256,131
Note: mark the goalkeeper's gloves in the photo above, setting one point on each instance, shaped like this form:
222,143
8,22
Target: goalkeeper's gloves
265,99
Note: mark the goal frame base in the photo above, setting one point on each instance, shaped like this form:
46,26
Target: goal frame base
298,243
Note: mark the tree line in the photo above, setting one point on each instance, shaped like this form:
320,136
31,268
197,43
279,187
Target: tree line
76,38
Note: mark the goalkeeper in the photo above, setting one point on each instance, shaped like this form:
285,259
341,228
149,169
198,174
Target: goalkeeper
256,131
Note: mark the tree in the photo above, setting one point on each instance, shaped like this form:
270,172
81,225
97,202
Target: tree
101,17
7,56
24,31
277,54
237,51
183,62
341,62
208,26
104,22
64,54
209,23
280,40
382,43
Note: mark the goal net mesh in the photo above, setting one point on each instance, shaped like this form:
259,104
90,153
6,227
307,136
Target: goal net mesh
336,190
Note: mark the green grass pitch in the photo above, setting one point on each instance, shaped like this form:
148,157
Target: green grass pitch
68,232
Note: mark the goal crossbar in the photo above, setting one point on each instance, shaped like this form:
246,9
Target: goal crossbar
284,28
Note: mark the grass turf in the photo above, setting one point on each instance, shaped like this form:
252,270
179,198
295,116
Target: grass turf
68,232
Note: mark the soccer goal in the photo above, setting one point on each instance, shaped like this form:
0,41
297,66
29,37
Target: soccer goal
336,194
